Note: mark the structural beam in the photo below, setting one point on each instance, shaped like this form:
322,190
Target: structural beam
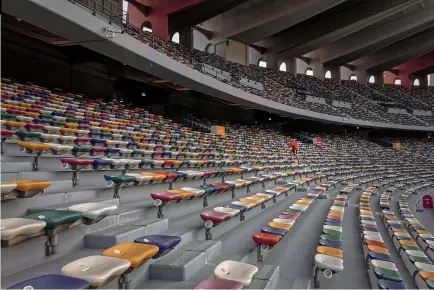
376,37
333,25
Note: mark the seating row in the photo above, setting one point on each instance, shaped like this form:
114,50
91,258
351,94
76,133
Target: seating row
383,273
416,261
96,271
329,256
23,188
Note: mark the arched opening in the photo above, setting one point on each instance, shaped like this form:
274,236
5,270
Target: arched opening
328,75
262,63
372,80
282,66
147,27
209,48
353,78
309,71
175,37
416,83
397,82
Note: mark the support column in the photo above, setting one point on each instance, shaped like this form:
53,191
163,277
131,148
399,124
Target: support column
335,72
186,37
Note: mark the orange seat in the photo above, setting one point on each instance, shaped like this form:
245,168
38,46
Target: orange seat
24,185
71,125
377,249
155,176
336,213
254,202
399,230
422,232
408,243
68,130
31,114
330,251
183,193
33,146
390,217
136,253
426,275
14,124
276,225
262,197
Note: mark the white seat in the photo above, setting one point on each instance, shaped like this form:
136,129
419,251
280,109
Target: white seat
117,162
92,210
60,147
195,191
415,253
140,177
96,269
246,204
235,271
230,211
373,238
388,212
402,235
333,228
424,267
15,227
337,208
383,264
284,221
267,196
7,187
371,233
298,207
426,236
328,262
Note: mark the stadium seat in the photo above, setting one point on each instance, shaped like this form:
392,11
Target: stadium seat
135,253
235,271
52,281
16,230
97,270
163,242
93,212
214,283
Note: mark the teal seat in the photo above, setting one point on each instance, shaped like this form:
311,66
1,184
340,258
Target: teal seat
331,238
387,274
55,218
120,178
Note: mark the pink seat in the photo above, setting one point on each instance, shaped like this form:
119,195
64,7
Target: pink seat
268,239
214,216
215,283
291,215
166,196
35,126
76,161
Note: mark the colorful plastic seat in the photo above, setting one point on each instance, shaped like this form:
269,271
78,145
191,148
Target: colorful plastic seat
52,282
56,220
93,211
214,216
16,230
163,242
135,253
236,271
215,283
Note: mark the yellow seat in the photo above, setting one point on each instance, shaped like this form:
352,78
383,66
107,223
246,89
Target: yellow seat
336,213
377,249
301,202
155,176
390,217
31,114
184,193
71,125
24,185
399,230
426,275
134,252
422,232
68,130
33,146
281,226
262,196
330,251
254,202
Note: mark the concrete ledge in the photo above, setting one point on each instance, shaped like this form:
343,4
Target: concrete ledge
266,278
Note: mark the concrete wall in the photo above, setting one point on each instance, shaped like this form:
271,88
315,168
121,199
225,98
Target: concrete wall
237,52
430,80
301,66
200,41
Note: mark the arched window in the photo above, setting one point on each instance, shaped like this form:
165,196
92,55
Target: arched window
372,80
328,74
397,82
282,66
262,63
147,27
353,78
309,72
175,37
416,83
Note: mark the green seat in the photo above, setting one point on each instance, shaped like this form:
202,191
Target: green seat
7,116
71,120
221,172
106,134
57,123
332,232
120,178
25,134
55,218
430,284
415,259
368,219
331,238
207,189
387,274
411,248
81,149
147,162
45,116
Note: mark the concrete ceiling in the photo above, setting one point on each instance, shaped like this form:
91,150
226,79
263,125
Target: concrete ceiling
338,32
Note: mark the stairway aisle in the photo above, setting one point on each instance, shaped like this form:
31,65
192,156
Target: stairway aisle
355,274
396,257
427,216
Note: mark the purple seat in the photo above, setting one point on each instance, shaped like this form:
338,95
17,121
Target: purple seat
165,196
215,283
274,231
214,216
52,282
162,241
76,161
382,257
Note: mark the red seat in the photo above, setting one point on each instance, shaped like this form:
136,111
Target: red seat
168,175
35,126
76,161
98,149
264,238
214,216
376,243
165,196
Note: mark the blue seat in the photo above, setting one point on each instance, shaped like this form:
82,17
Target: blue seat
274,231
98,141
52,282
333,223
232,186
113,150
162,241
331,244
99,162
40,121
57,114
370,229
239,207
379,256
214,188
180,174
94,133
387,284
